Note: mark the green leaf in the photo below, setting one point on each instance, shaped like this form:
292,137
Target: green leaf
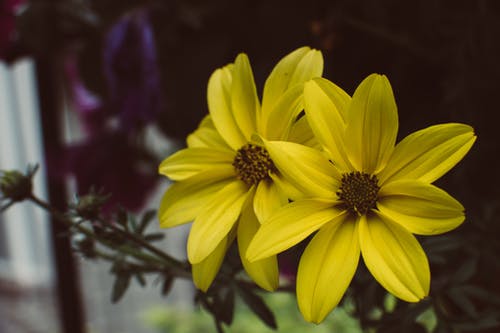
462,301
120,286
132,223
441,244
167,284
226,307
140,278
122,217
484,295
257,305
465,272
145,220
154,237
476,325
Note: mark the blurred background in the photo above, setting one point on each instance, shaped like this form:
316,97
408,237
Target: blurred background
99,92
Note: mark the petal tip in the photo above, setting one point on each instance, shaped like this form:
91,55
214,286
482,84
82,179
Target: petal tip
194,253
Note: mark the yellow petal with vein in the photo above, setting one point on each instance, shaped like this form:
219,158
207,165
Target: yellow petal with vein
394,257
215,221
285,187
326,107
264,272
326,269
205,271
306,62
284,113
267,200
206,137
220,107
244,101
305,168
310,66
301,132
419,207
290,225
429,153
372,124
190,161
184,200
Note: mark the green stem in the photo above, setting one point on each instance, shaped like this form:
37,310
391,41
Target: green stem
144,244
133,266
176,268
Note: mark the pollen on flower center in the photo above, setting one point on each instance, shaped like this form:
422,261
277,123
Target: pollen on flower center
358,192
253,164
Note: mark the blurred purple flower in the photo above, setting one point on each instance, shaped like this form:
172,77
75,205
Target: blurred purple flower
8,9
131,69
88,105
108,158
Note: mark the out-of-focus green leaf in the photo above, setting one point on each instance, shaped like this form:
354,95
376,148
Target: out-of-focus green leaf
140,278
122,217
145,220
481,294
167,284
461,300
483,323
226,301
257,305
120,286
465,271
153,237
428,319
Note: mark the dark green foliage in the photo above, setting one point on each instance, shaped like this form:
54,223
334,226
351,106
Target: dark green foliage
120,286
257,305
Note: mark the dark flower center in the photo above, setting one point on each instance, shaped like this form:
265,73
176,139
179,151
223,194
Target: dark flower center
253,164
358,192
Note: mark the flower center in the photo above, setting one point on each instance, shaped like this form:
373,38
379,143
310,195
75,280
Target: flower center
358,192
253,164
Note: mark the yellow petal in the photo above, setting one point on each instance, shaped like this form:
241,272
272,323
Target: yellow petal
372,124
326,269
190,161
183,201
284,113
301,132
288,190
206,137
219,105
215,221
429,153
310,66
305,168
267,200
207,122
264,272
394,257
326,107
291,224
244,101
205,271
297,67
419,207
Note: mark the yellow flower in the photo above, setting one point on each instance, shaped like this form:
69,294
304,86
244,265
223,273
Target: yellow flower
366,195
225,181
